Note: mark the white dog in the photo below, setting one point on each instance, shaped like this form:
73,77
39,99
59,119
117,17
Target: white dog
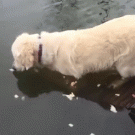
77,52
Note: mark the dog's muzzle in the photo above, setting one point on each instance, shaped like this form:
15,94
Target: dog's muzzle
13,68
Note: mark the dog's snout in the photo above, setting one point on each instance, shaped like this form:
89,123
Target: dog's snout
13,67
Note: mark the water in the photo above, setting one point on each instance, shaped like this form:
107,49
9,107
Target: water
50,113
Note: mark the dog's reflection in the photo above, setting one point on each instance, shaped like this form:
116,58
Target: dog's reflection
35,82
92,87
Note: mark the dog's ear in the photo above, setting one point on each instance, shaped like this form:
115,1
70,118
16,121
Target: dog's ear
27,54
27,57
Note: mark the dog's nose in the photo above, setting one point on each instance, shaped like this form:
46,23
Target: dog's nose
13,67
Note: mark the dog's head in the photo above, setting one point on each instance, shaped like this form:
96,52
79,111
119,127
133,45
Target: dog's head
24,50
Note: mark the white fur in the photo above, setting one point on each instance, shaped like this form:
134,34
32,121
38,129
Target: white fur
77,52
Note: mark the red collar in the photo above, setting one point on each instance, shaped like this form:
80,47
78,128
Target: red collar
40,53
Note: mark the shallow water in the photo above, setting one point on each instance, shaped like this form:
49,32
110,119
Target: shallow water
51,113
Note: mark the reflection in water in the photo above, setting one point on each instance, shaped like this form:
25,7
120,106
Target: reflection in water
34,83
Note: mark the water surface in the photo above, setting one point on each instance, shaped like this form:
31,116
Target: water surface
51,113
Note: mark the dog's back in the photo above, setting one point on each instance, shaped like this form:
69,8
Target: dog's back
107,45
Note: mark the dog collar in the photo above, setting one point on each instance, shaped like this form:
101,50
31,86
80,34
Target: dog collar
40,52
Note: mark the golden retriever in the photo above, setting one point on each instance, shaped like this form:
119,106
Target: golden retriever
78,52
